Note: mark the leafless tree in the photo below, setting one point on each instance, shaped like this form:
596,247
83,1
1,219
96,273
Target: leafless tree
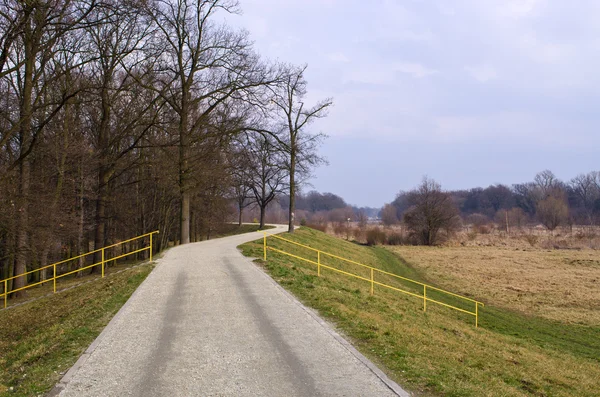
200,66
294,118
266,173
431,210
389,215
587,189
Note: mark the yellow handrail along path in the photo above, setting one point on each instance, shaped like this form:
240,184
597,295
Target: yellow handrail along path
369,277
55,276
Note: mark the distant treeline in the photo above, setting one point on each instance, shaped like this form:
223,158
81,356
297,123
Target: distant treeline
546,200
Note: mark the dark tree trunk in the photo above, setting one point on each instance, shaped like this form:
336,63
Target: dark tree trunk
292,189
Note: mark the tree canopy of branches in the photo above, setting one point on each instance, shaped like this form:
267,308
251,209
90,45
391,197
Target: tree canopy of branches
431,211
118,118
293,118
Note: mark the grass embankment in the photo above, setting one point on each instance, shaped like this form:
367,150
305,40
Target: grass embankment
41,340
439,352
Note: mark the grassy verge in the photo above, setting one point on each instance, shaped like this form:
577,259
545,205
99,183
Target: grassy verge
41,340
439,352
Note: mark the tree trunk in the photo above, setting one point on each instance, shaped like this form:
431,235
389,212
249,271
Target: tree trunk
25,169
100,218
80,262
44,262
183,173
22,227
262,216
292,188
240,216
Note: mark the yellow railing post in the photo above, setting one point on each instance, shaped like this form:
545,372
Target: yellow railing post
318,263
102,263
5,292
265,246
476,314
54,277
424,298
372,282
150,247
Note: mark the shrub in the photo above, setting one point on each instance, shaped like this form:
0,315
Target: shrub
472,235
341,230
531,239
359,235
317,226
375,236
482,229
395,239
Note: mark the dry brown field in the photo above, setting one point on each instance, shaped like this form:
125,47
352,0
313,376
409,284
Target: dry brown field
558,284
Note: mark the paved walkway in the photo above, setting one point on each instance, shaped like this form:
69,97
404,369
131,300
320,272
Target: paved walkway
208,322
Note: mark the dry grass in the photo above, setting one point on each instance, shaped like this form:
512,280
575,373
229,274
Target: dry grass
561,285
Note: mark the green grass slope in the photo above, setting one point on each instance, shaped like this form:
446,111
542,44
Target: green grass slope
41,340
438,352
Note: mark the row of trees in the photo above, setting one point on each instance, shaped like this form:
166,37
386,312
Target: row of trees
122,117
546,200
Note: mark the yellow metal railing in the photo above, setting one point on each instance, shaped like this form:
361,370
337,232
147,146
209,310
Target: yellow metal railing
372,280
56,276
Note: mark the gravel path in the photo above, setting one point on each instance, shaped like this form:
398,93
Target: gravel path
208,322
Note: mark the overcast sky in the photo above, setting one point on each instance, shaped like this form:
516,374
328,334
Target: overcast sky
469,92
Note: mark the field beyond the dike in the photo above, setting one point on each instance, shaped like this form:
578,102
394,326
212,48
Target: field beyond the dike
538,334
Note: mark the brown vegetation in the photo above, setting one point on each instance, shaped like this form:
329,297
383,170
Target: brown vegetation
561,285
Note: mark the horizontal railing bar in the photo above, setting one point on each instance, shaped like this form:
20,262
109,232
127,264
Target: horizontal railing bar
398,289
375,282
29,286
453,294
127,254
346,273
293,256
78,270
378,270
293,242
78,256
451,307
131,239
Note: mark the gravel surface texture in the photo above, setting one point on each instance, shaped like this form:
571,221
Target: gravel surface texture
209,322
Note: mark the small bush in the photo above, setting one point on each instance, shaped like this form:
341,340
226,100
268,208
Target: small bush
359,235
395,239
317,226
303,222
375,236
531,239
482,229
340,229
472,235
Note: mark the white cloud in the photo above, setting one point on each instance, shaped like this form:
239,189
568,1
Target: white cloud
482,73
338,57
518,8
414,69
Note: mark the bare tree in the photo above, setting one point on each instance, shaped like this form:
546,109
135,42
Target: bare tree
266,172
298,143
587,189
431,210
34,28
552,212
200,67
389,215
120,111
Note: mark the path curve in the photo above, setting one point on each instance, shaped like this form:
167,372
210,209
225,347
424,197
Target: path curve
208,322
